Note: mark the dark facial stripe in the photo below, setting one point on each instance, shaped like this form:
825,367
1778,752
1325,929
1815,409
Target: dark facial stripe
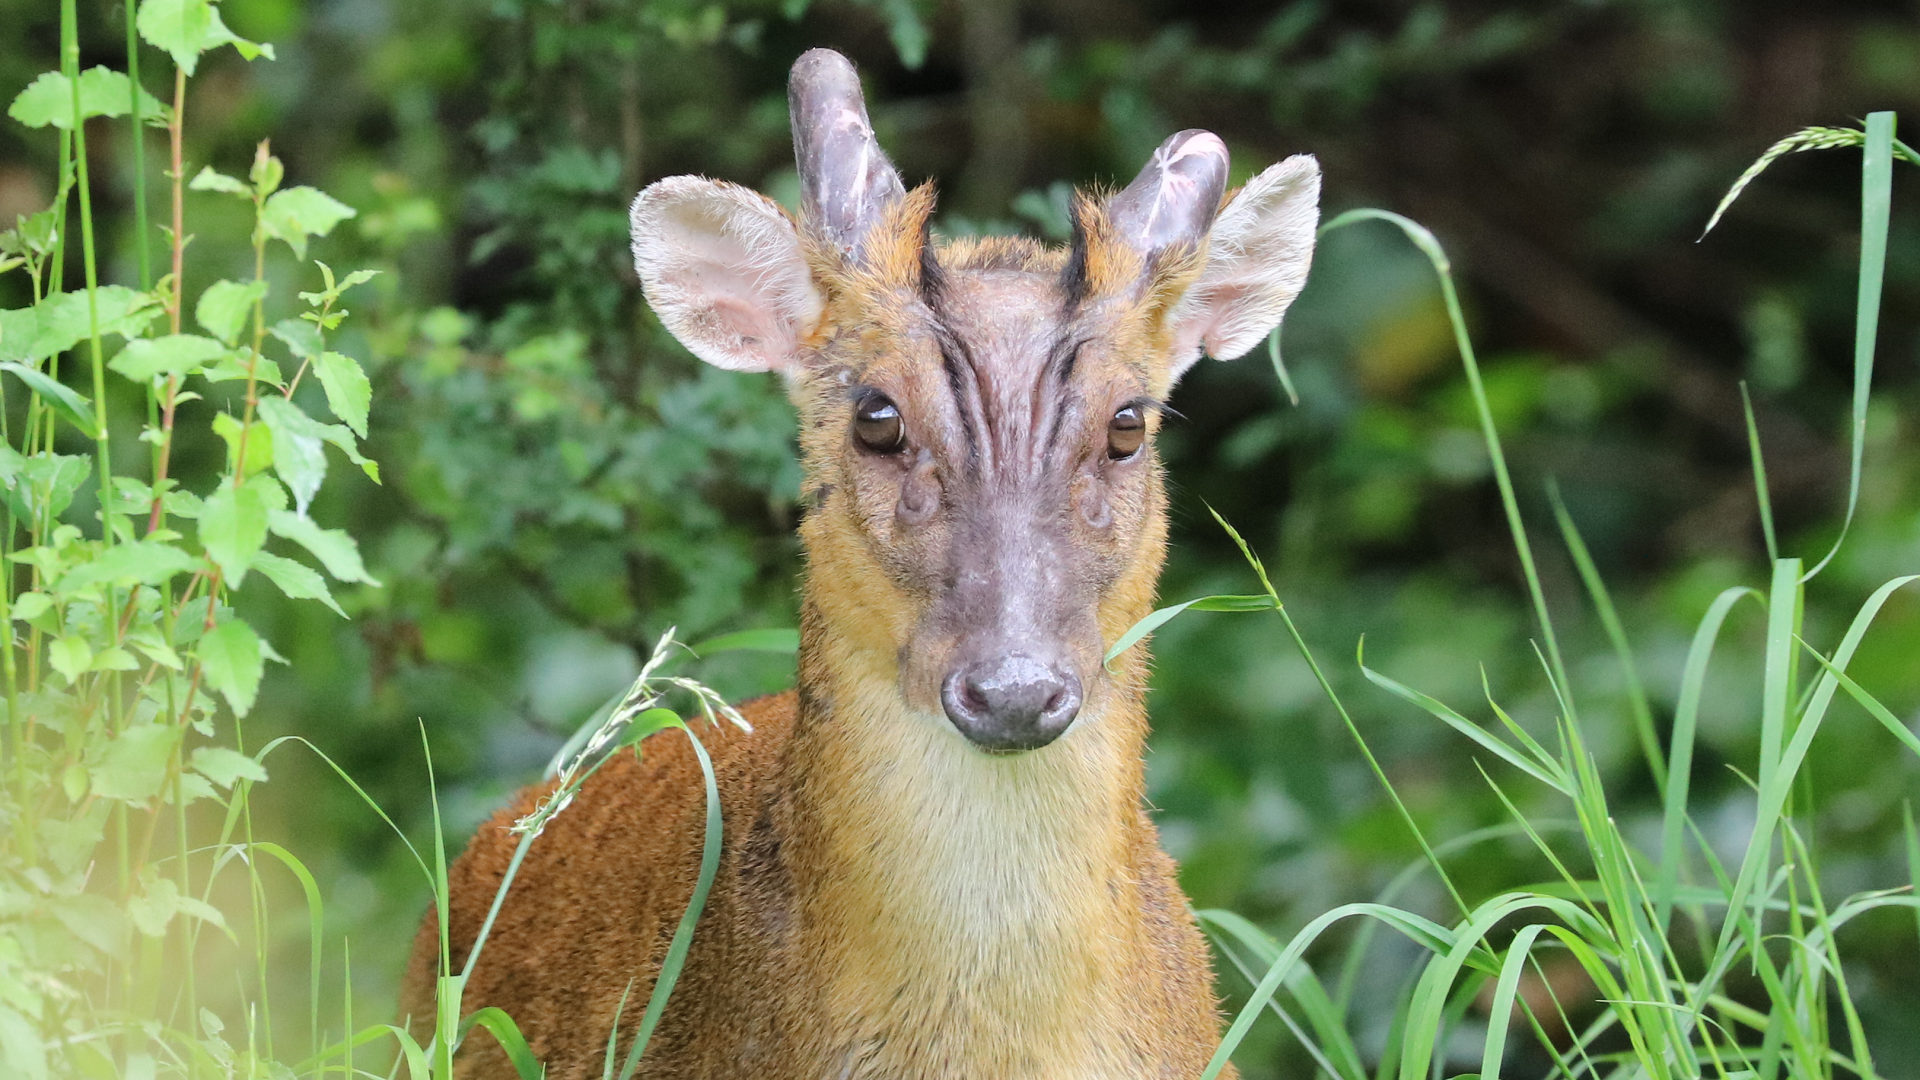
964,403
1066,354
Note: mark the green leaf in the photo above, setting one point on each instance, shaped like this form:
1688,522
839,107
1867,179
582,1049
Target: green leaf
333,547
45,484
70,656
349,393
231,663
259,444
224,306
21,1046
19,328
29,606
773,639
233,526
233,368
65,399
209,180
114,658
49,99
296,213
64,320
1205,603
299,450
225,767
300,335
186,28
297,580
144,562
175,354
342,438
134,768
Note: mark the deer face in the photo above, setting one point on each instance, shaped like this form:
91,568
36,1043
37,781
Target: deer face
977,417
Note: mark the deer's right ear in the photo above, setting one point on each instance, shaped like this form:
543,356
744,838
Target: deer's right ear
723,268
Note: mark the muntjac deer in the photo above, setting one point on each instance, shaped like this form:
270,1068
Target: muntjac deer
936,861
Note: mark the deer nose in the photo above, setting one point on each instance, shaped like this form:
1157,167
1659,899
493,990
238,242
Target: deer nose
1011,703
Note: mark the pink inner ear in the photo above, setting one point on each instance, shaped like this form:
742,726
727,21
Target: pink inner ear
743,326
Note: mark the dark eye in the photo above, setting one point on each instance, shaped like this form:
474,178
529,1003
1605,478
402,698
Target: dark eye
876,424
1125,432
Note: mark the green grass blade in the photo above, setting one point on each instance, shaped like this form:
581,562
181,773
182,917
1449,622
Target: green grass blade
1867,701
1760,489
1876,201
1773,797
1504,992
1686,721
507,1034
1783,622
1280,367
1336,1051
1470,729
316,912
1637,701
676,956
1424,932
1165,615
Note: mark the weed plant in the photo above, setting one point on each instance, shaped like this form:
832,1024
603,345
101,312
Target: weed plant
127,785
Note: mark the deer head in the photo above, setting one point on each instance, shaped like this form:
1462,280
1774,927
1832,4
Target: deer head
986,512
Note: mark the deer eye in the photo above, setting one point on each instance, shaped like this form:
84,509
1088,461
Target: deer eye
876,424
1126,432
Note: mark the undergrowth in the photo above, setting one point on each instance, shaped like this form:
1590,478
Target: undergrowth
130,849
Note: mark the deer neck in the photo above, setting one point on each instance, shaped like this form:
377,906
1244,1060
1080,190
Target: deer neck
1001,884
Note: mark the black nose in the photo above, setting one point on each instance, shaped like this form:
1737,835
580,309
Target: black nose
1011,703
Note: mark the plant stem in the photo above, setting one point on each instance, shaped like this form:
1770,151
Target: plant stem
139,151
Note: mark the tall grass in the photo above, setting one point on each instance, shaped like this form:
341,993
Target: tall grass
1660,934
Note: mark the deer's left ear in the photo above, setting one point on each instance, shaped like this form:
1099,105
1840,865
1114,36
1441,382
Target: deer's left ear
1258,252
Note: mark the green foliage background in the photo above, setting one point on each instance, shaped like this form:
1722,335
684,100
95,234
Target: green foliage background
563,482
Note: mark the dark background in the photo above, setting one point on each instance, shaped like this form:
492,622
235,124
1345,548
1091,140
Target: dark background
564,483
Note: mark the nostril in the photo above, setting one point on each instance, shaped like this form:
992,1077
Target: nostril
1016,702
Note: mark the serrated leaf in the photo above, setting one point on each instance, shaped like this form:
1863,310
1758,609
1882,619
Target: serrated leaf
297,580
114,658
148,640
134,767
175,354
70,656
233,367
18,329
300,335
65,400
333,547
49,99
233,526
45,485
153,909
299,450
207,179
143,562
231,663
64,320
342,438
349,393
186,28
29,606
296,213
224,306
225,767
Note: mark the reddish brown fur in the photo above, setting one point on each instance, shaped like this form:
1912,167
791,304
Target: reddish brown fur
892,902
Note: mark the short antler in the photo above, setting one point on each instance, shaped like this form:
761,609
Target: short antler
846,181
1173,200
